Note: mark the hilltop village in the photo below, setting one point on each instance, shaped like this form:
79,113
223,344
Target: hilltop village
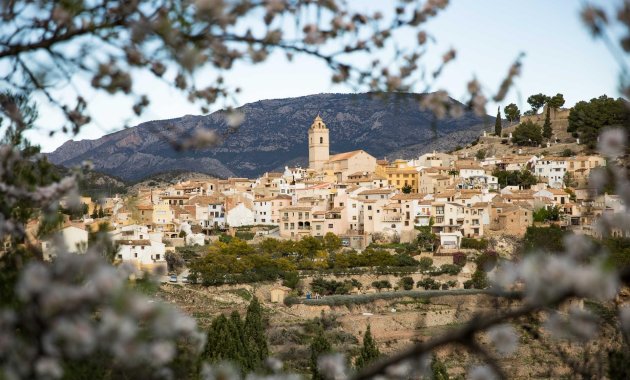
462,197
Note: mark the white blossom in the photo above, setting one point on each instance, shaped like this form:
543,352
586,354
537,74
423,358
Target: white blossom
504,338
612,142
333,367
482,372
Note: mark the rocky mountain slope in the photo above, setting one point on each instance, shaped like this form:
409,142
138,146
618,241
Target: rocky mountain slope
273,134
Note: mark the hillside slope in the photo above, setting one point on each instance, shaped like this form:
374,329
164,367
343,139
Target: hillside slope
274,134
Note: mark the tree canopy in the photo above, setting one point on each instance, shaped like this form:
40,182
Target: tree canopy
369,350
512,113
587,119
527,133
537,101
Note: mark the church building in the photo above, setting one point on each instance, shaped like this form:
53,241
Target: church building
340,165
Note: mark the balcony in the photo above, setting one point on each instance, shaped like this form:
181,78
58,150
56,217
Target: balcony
285,218
392,218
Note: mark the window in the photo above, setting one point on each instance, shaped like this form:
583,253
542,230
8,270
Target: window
157,257
330,226
321,140
369,207
354,205
318,227
369,218
354,217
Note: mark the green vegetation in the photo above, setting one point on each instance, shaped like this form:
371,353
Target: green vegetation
546,239
527,133
238,341
547,131
567,153
438,369
329,287
244,235
512,113
587,119
524,178
381,284
537,101
360,299
497,123
426,239
481,154
545,214
479,280
405,283
471,243
369,351
319,346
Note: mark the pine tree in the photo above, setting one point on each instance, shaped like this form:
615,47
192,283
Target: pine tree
254,330
369,352
319,346
547,131
497,123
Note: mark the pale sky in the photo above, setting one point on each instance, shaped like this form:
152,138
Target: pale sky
560,57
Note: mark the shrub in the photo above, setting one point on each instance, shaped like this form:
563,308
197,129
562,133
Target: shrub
244,235
428,283
291,280
382,284
487,260
459,258
425,263
474,243
451,269
326,287
406,283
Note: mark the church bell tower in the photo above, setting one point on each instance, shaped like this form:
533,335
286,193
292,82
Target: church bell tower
318,144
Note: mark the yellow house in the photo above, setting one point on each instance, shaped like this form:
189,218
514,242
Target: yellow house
399,175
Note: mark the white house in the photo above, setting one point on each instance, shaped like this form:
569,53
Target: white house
71,239
239,215
140,248
553,170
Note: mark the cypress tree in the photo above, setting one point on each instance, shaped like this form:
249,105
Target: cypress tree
221,344
497,123
369,352
243,353
547,131
254,330
320,345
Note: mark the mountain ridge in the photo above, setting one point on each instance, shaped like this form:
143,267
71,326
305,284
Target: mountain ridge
274,133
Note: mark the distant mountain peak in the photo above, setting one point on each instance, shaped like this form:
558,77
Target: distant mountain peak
273,134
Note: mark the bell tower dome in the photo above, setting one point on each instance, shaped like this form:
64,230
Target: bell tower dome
318,144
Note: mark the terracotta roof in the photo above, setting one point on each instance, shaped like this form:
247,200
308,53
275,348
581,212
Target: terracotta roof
344,156
376,191
557,191
403,196
295,208
480,204
205,200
